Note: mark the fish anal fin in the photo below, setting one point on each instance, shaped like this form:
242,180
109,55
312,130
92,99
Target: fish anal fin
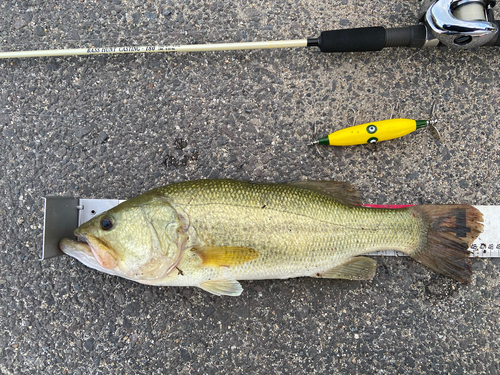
227,287
359,268
225,256
343,192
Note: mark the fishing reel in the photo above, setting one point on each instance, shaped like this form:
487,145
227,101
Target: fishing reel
462,24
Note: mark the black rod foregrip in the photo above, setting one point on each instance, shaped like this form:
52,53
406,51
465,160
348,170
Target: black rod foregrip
351,40
369,39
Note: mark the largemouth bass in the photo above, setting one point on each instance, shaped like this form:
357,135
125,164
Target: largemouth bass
212,233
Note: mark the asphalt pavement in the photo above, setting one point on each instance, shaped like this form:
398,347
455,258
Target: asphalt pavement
117,126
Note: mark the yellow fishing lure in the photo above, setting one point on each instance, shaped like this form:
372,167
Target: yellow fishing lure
378,131
373,132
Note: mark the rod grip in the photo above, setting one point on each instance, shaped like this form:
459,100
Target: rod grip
352,40
369,39
410,36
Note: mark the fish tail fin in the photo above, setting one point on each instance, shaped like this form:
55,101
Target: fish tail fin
451,229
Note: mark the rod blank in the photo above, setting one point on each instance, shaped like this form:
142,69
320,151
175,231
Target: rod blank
157,49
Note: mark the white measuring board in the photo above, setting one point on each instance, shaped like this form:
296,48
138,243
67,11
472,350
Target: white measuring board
487,245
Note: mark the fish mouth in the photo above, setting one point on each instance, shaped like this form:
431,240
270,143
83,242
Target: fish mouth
71,247
92,252
80,251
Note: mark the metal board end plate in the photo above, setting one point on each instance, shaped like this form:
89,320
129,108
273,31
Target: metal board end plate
59,221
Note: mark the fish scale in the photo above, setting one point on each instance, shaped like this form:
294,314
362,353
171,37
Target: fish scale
297,232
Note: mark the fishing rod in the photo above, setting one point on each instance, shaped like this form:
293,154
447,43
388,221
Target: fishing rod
462,24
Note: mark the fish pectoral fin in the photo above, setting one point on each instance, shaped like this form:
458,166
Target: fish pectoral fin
342,192
225,256
359,268
227,287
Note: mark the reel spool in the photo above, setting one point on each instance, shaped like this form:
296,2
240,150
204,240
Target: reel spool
462,24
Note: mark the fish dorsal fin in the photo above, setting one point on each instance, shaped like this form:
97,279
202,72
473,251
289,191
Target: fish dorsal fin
227,287
343,192
225,256
359,268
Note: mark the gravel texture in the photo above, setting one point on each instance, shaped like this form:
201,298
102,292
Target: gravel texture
117,126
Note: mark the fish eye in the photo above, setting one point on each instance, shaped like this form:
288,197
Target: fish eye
371,129
106,223
373,140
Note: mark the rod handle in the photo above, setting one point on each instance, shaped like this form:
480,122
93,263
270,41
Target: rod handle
369,39
350,40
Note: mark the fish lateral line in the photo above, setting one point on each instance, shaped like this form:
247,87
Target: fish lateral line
257,207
